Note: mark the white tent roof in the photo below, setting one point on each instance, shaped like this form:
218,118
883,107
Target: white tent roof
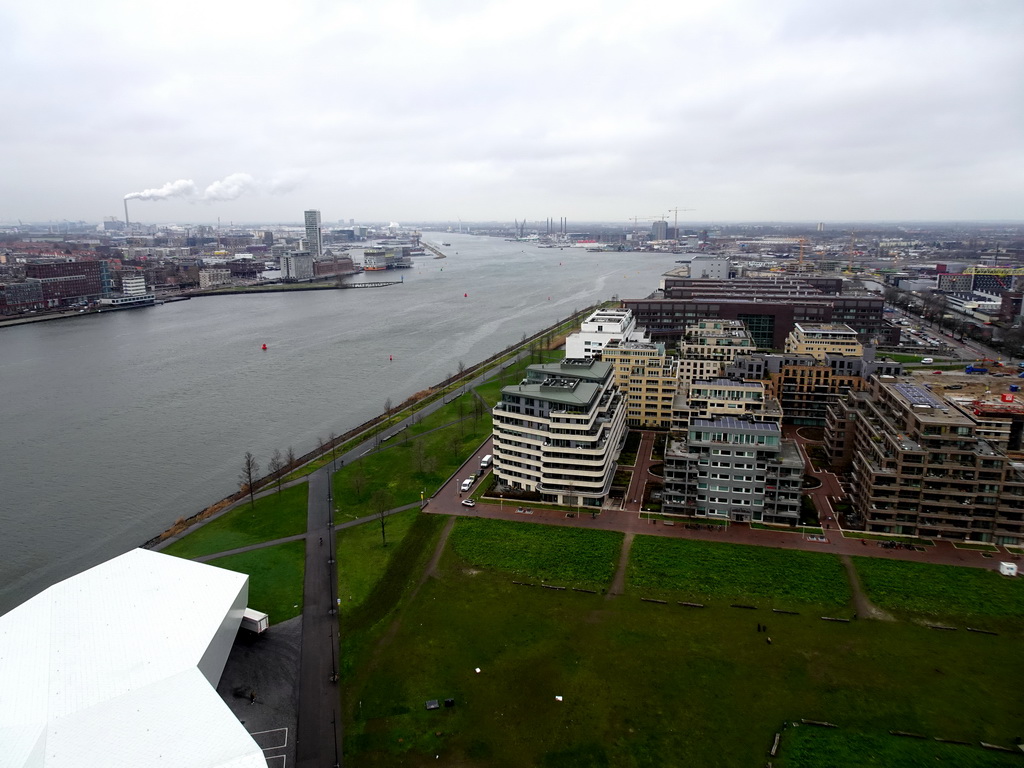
116,667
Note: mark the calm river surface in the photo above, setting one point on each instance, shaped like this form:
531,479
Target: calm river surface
113,426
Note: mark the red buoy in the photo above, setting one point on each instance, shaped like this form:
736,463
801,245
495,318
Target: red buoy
264,347
391,359
465,295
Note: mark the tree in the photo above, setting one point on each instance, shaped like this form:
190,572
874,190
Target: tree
291,457
333,438
388,405
381,503
247,477
359,479
462,368
276,468
419,456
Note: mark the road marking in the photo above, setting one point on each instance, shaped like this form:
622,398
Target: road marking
282,734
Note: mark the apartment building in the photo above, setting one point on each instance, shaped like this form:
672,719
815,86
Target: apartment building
821,339
648,379
598,329
926,466
709,345
559,432
727,460
805,386
210,278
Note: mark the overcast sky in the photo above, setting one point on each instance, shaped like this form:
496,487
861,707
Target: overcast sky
473,109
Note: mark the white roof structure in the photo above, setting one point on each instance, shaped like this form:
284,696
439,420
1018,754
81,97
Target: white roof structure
117,666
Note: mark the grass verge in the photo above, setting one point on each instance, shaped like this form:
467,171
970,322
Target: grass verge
811,747
363,559
561,556
941,591
710,570
274,516
396,474
275,578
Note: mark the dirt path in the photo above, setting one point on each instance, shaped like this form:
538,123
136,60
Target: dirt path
865,608
619,582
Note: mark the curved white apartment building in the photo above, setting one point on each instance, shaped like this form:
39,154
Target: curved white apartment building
559,432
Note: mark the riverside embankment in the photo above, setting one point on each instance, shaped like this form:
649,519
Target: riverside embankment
118,424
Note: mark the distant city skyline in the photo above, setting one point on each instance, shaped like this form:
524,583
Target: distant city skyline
742,111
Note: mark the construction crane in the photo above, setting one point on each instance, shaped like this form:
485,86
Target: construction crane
635,219
676,211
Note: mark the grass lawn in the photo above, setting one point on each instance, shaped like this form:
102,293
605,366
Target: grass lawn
275,516
811,747
536,553
703,570
401,469
942,591
363,559
646,684
275,578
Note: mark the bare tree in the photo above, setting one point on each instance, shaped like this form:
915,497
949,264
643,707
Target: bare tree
333,438
381,503
291,457
276,468
388,406
247,477
359,479
419,456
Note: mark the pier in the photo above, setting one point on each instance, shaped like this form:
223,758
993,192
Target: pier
371,285
433,249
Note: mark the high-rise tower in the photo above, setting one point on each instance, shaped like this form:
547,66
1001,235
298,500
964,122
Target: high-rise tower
314,241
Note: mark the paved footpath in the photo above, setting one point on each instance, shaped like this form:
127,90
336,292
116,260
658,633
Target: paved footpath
447,502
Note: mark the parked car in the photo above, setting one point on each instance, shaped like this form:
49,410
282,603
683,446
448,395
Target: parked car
468,503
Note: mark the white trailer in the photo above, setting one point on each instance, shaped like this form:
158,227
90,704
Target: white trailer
255,621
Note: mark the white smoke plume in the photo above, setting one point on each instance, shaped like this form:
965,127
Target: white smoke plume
229,188
179,188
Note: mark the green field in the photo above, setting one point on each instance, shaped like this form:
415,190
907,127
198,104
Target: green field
812,747
275,578
942,592
363,559
539,553
643,684
274,516
703,570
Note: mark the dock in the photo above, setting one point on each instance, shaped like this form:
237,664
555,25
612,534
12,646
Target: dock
371,285
433,249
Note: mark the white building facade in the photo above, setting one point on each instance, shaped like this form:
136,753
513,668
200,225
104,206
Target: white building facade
602,326
558,433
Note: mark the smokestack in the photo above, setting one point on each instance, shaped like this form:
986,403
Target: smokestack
126,222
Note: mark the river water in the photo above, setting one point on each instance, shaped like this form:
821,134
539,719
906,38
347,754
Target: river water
113,426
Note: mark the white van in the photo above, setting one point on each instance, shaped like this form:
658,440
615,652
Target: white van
926,361
485,462
466,485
